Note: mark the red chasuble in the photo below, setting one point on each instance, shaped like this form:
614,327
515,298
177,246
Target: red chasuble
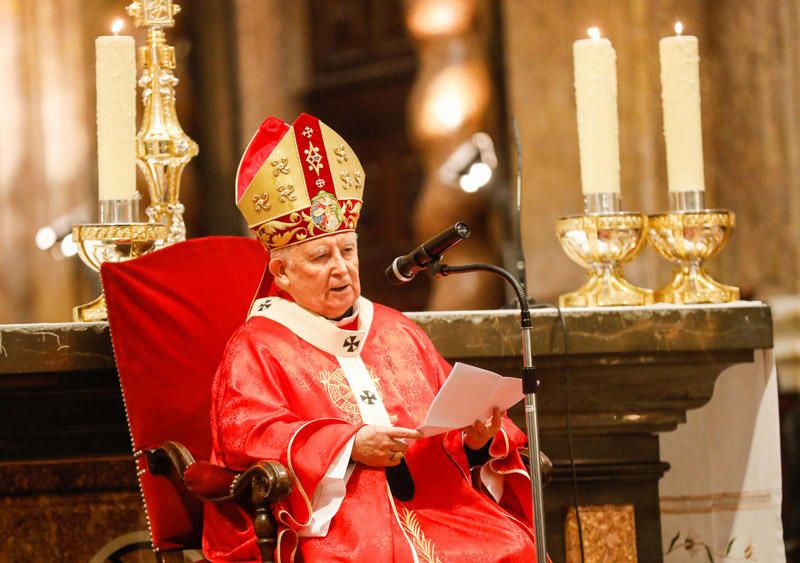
282,393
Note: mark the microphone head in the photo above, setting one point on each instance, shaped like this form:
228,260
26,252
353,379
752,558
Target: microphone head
391,278
394,275
462,230
404,268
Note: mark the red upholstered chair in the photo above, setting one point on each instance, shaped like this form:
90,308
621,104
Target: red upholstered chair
171,313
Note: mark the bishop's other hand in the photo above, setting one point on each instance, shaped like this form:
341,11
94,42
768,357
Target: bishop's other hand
477,435
382,446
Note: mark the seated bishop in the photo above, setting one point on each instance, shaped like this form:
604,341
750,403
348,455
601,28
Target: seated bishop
334,386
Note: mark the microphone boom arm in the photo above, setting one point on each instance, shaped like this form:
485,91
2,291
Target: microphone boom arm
530,384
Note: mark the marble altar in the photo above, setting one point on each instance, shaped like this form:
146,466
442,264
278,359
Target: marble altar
634,372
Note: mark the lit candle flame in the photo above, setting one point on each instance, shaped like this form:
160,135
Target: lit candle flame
678,28
594,32
117,26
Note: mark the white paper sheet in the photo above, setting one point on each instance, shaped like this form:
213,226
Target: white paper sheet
469,394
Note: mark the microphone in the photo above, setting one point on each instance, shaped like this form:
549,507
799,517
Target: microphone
404,268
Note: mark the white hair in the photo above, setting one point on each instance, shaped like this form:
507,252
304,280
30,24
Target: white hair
285,253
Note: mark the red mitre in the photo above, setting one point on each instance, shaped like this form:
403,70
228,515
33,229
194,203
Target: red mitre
298,182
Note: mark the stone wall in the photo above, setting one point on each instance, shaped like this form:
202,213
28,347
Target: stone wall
749,79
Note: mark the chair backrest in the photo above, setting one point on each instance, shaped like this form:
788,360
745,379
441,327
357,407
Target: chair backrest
171,313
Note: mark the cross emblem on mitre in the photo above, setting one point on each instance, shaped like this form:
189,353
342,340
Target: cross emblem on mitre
351,343
313,158
265,305
368,397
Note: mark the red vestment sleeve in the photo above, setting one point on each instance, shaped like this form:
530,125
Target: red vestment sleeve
504,457
505,460
251,421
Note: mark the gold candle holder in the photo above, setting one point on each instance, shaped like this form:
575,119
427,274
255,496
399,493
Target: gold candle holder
601,241
163,149
115,239
687,236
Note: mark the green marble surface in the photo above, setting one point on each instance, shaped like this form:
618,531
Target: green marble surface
57,347
659,328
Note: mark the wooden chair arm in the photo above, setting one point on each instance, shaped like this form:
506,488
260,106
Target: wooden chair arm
170,456
263,482
258,486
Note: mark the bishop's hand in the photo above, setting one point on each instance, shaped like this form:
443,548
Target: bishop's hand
382,446
477,435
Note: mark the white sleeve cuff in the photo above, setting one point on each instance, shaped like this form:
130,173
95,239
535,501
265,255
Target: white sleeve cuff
492,481
329,494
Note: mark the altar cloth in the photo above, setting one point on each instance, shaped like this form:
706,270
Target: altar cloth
721,499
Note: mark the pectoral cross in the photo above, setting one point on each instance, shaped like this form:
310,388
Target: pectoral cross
368,397
351,344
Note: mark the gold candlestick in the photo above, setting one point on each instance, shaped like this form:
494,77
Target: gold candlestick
687,239
163,149
116,238
602,243
602,240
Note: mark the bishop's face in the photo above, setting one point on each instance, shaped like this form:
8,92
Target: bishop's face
321,275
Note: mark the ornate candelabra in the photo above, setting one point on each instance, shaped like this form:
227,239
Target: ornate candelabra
687,236
162,152
602,240
163,149
115,238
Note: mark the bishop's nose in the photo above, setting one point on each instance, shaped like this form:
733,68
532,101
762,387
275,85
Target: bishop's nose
339,265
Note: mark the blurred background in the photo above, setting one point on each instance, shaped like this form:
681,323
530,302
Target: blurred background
409,84
426,92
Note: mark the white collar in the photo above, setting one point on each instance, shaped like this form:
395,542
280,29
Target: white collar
316,329
344,321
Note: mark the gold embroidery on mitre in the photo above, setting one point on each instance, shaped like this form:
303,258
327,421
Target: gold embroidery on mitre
346,180
313,158
278,233
352,211
424,546
341,154
283,212
261,202
346,170
267,182
324,214
280,166
354,182
286,192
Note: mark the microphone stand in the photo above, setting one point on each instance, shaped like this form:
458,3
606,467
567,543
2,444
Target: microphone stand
529,387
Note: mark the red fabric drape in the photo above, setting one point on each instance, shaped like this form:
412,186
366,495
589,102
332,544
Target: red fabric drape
171,313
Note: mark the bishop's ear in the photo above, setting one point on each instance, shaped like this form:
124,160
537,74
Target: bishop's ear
277,267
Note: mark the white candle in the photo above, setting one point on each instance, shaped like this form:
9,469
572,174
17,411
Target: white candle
116,117
680,98
596,101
